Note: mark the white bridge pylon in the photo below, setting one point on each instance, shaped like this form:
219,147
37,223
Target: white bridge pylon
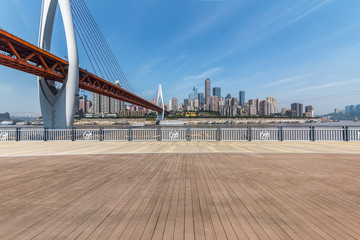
160,103
58,105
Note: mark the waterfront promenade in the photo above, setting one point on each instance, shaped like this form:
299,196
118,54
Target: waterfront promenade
179,190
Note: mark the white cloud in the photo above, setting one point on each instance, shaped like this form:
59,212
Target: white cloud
273,21
204,75
307,12
286,80
207,21
328,85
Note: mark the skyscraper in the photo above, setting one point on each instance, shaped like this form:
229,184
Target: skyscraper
310,110
201,100
214,104
298,108
241,98
207,90
217,92
196,103
104,104
195,92
115,104
272,100
96,103
228,96
175,104
88,106
82,105
170,105
191,96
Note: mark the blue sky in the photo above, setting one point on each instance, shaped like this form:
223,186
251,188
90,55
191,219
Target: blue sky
297,51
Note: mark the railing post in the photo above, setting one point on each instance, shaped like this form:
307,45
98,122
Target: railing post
73,134
130,134
159,133
249,133
45,134
346,133
312,133
101,133
18,134
218,133
188,134
281,138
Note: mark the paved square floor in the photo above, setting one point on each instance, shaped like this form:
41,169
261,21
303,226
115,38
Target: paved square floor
180,196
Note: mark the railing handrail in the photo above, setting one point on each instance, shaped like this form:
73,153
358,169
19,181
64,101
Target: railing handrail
186,133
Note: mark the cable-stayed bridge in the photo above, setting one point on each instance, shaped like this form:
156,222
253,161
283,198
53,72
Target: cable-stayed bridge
58,103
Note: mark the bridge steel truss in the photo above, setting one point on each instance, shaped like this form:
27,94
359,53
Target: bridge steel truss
20,55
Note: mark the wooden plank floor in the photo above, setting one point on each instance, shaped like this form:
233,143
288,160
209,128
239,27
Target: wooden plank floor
181,196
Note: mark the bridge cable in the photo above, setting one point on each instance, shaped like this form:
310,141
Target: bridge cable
97,44
110,53
104,45
86,35
87,54
86,46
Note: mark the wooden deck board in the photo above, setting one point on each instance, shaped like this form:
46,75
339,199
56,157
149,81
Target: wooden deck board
181,196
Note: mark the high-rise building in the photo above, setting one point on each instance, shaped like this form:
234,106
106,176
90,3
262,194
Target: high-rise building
195,92
290,113
273,101
350,109
234,102
116,105
186,102
82,105
96,103
201,100
298,108
191,96
175,104
357,109
170,105
310,111
88,106
252,107
221,102
104,104
190,106
5,116
263,108
217,92
196,103
214,104
228,96
207,90
241,98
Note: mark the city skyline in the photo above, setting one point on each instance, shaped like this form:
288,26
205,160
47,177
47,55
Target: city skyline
228,106
274,48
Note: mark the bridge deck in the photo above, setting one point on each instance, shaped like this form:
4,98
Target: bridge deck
181,196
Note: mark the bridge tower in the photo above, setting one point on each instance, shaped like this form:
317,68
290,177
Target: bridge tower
160,103
58,105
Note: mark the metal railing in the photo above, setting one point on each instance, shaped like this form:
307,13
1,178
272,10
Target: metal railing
162,133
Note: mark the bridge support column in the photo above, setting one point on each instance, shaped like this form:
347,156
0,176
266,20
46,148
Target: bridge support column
160,102
58,105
